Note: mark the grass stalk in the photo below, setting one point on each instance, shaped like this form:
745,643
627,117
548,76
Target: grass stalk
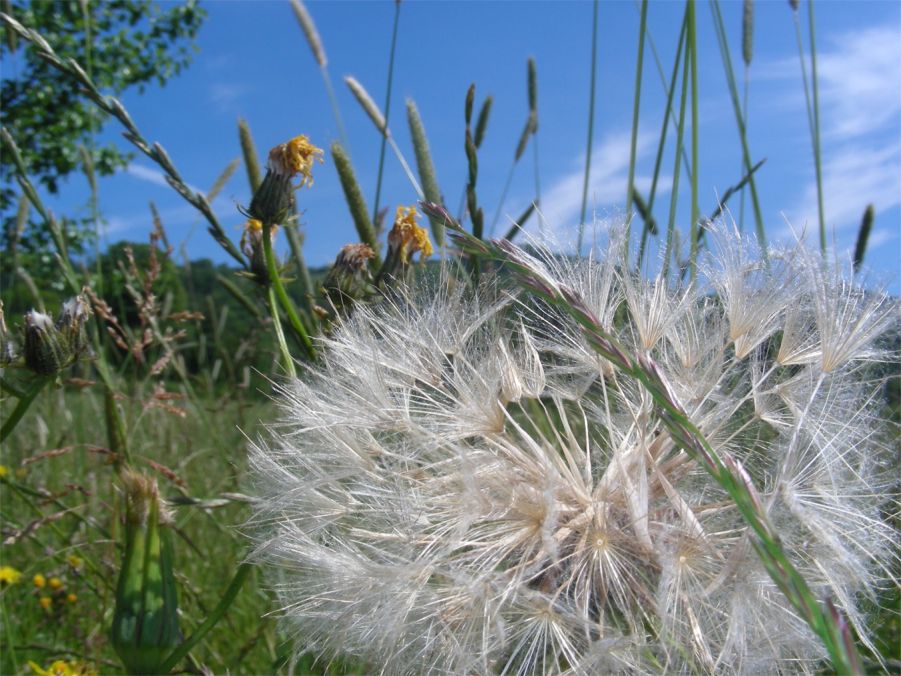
591,97
636,105
378,178
354,198
664,126
739,120
680,135
287,359
426,168
815,130
211,621
692,52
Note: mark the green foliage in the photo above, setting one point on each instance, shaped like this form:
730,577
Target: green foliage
123,44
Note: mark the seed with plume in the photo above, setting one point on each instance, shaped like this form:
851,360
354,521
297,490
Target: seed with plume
463,485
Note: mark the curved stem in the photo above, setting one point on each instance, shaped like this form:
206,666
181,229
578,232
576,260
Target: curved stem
280,334
24,402
282,295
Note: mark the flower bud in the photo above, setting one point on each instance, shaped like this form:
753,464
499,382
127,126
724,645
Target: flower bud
145,622
349,276
45,352
70,325
274,199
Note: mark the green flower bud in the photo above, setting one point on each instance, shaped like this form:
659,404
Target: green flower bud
145,622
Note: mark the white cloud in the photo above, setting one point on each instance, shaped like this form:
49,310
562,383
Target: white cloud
224,94
561,204
860,103
154,176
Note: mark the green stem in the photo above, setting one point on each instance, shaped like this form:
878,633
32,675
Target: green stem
218,613
282,295
378,180
280,334
633,147
674,194
9,388
24,402
594,51
11,644
670,92
695,211
816,127
739,119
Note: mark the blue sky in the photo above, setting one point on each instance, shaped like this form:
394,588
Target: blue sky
253,62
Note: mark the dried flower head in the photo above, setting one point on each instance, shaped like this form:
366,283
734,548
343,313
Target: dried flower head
407,237
274,198
295,158
464,486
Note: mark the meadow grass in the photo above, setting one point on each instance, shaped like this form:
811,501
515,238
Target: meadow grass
62,498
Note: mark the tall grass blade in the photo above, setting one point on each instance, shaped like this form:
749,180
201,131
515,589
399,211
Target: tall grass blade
747,53
815,131
426,168
674,193
692,37
315,42
250,155
863,236
388,87
739,118
222,179
588,144
664,126
354,198
636,104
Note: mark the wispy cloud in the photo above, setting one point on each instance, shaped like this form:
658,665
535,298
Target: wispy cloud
562,202
152,175
223,95
860,103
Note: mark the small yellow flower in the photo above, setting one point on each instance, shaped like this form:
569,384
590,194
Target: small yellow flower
75,561
4,470
294,158
46,602
55,583
71,598
61,668
9,575
39,581
407,237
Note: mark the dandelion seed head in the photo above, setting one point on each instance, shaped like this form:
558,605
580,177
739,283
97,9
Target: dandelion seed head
463,486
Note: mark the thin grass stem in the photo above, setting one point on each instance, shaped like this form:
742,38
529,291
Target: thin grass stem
680,133
815,131
692,37
378,179
636,104
591,97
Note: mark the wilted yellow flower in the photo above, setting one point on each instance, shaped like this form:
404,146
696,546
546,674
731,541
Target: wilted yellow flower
55,583
39,581
75,561
9,575
407,237
294,158
46,602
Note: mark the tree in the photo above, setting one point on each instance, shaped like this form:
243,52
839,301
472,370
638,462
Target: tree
123,44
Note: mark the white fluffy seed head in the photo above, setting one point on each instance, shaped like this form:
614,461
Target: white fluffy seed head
463,486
